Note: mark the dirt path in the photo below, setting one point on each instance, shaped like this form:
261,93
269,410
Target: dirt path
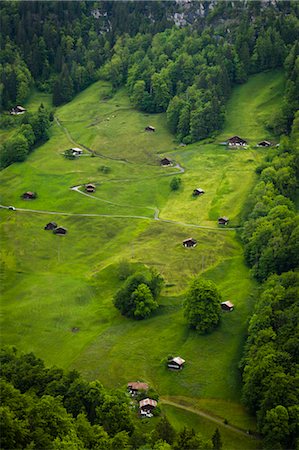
207,416
89,150
127,216
121,216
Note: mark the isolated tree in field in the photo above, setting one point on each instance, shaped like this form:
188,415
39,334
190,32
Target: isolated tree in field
216,440
175,183
202,305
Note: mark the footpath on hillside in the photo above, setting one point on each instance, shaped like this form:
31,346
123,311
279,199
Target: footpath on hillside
167,401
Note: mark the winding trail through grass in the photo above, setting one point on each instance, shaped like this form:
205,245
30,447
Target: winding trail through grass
208,416
122,216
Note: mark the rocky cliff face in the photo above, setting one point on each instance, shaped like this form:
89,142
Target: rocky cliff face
183,12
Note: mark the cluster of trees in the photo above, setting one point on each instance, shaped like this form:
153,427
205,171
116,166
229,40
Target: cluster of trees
202,307
272,229
33,130
15,77
270,365
61,45
58,45
64,46
46,408
137,298
189,74
282,121
271,235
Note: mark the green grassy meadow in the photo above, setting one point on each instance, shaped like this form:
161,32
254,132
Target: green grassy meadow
51,284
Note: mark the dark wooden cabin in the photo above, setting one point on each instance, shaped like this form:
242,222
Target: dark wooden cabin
29,195
150,128
18,110
264,144
223,220
134,387
166,162
190,242
147,405
176,363
198,191
236,141
90,187
51,226
60,230
227,306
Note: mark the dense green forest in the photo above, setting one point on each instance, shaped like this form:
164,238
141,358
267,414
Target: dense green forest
45,408
187,72
271,240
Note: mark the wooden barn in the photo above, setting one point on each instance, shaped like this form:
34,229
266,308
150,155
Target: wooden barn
77,151
264,144
29,195
18,110
134,387
176,363
198,191
227,306
51,226
236,141
189,243
223,220
150,128
166,162
90,187
60,230
147,405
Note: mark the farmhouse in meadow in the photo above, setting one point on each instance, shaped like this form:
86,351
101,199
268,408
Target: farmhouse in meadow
18,110
264,144
190,242
227,306
176,363
90,187
166,162
51,226
223,220
60,230
198,191
150,128
77,151
236,141
134,387
29,195
147,405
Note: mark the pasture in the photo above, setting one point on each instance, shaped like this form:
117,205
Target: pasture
52,284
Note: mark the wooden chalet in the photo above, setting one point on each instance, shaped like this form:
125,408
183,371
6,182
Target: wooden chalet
51,226
29,195
223,220
176,363
227,306
147,405
166,162
18,110
90,187
236,141
264,144
60,230
198,191
189,243
134,387
150,128
77,151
